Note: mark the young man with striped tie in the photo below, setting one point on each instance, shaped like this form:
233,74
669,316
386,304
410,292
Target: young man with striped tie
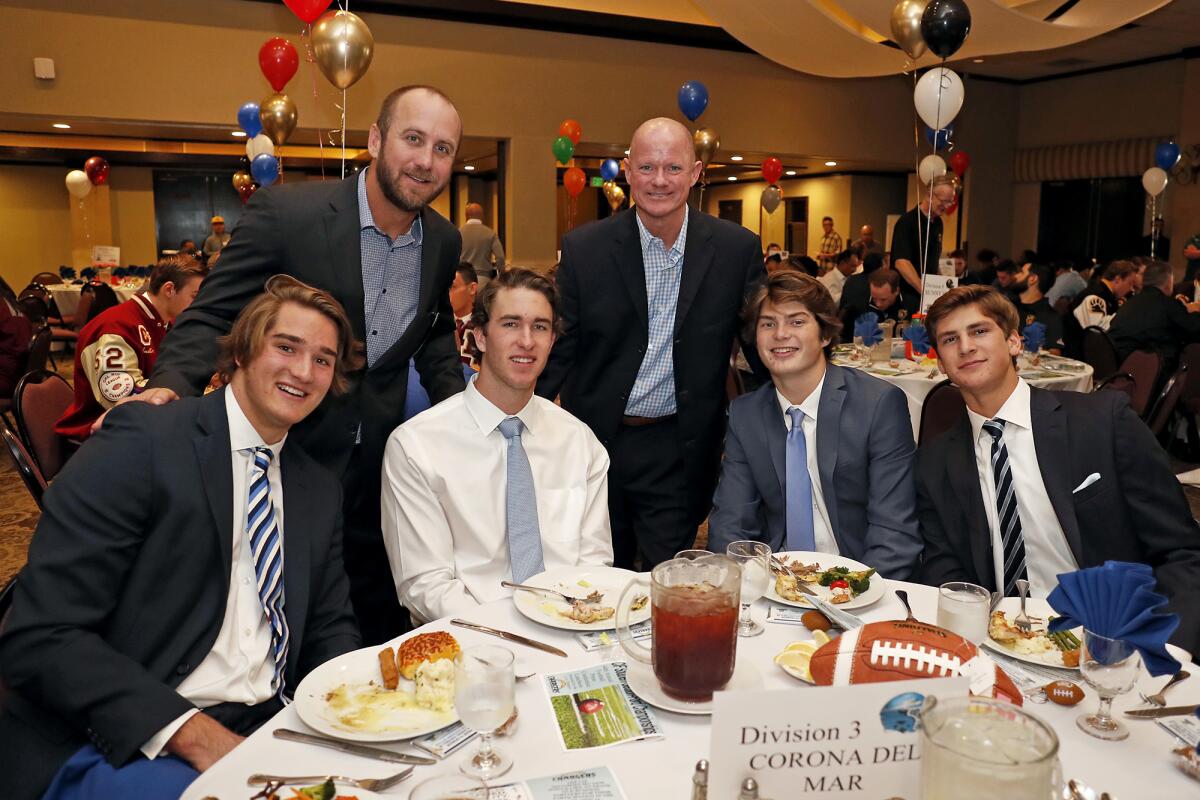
186,573
1029,483
494,483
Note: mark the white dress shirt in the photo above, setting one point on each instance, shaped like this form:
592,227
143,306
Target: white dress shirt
1046,550
822,531
444,502
834,281
240,666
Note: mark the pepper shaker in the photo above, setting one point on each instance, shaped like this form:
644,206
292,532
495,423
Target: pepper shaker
749,790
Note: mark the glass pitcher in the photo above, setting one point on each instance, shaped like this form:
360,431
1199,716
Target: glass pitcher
694,607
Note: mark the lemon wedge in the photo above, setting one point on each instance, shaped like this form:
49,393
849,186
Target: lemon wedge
820,638
796,660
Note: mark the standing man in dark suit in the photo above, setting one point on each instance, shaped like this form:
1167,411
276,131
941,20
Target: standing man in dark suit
186,573
650,301
373,243
1032,483
821,458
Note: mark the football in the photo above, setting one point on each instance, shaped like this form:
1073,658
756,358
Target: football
1064,693
905,649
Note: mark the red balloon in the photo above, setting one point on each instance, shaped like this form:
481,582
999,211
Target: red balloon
279,62
571,129
950,209
96,168
307,10
246,190
574,180
772,170
959,162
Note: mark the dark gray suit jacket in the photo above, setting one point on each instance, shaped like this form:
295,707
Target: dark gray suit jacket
127,580
1135,512
865,457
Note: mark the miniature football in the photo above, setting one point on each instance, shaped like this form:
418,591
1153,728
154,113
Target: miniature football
1064,693
905,649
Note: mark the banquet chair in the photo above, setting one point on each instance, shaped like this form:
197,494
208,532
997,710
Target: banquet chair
1189,400
28,471
1099,352
39,351
47,278
103,298
1163,410
942,407
6,598
1144,367
40,400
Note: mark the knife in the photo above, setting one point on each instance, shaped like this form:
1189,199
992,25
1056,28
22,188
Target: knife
1155,713
512,637
353,749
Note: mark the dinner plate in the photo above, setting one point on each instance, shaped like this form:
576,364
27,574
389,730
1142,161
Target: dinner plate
643,683
1035,608
366,717
576,582
827,560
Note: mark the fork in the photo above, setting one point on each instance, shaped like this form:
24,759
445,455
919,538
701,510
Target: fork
1159,698
370,784
568,598
1022,620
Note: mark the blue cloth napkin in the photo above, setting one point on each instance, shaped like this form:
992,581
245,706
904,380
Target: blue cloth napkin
866,327
1118,601
919,336
1034,336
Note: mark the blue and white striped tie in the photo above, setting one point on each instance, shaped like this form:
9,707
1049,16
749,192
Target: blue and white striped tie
524,534
1008,516
266,546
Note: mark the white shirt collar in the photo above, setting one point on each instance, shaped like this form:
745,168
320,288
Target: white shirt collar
242,435
1015,411
809,405
488,416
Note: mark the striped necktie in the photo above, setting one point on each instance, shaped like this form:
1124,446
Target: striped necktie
1008,517
266,546
524,535
798,499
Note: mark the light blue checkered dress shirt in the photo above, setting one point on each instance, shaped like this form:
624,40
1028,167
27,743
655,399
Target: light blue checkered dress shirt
653,392
391,276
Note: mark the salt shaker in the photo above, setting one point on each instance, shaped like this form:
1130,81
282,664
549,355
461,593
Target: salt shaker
749,790
700,780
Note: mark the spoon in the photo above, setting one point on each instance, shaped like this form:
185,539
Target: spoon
903,595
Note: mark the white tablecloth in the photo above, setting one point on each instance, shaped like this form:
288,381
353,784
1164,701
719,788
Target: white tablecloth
66,296
1138,767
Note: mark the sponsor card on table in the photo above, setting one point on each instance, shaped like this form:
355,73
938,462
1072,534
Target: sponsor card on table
1186,729
594,707
598,783
442,743
598,640
849,742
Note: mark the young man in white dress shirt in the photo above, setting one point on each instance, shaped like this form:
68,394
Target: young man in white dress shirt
495,483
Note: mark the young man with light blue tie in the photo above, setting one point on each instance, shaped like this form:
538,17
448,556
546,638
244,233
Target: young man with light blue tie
494,483
821,458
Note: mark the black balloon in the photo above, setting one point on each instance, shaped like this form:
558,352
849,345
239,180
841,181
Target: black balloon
945,25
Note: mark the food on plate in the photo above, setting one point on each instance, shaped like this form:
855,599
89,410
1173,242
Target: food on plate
904,649
639,602
796,656
1037,643
858,581
321,791
435,684
387,668
843,583
425,647
841,592
585,613
815,621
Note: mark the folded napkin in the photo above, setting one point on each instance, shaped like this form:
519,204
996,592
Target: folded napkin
1118,600
918,336
866,327
1034,336
66,273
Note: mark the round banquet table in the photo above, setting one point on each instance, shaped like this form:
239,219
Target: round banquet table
662,768
66,296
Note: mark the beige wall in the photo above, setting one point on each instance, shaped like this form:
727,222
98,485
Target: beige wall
133,223
826,196
872,198
36,230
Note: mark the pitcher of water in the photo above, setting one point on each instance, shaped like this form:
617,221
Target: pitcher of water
694,615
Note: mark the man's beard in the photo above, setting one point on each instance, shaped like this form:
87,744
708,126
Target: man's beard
389,183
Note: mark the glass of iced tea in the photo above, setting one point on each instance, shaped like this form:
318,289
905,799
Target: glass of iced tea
694,614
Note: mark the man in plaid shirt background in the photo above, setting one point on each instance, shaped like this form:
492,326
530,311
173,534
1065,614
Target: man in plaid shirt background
831,245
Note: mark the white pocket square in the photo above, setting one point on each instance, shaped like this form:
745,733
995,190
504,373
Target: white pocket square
1088,481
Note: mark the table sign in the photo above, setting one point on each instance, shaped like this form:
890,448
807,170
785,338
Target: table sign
934,287
850,742
946,267
104,256
598,783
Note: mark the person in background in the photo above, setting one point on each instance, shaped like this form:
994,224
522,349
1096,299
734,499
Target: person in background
1156,239
115,352
1155,320
866,243
985,267
921,225
1007,273
462,302
962,275
1096,305
481,246
1032,305
856,291
847,264
1069,280
1191,251
188,248
773,262
216,240
884,299
16,333
773,249
831,245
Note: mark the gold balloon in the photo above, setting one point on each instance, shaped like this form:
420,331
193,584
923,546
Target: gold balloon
707,143
615,195
242,178
278,114
906,27
342,46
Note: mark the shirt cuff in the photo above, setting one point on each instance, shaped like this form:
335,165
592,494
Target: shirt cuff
154,745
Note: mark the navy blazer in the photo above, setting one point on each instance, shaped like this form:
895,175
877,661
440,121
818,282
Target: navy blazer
865,457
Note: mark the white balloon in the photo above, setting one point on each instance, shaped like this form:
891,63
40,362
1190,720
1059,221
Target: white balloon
258,145
932,167
78,184
1154,180
938,112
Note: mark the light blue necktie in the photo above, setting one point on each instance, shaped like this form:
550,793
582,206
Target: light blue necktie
798,497
524,536
266,547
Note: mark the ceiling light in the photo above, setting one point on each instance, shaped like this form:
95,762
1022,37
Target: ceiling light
735,158
469,167
831,163
790,172
237,133
979,61
733,177
61,125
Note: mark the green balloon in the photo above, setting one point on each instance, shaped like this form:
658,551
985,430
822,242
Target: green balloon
564,149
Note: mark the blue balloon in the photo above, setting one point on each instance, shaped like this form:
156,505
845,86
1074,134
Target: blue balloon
693,99
264,168
1166,155
610,169
248,119
941,139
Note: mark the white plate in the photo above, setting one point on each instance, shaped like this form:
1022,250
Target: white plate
1040,609
827,560
544,608
356,671
643,683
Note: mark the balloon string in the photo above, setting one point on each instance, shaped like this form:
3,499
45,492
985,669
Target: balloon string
343,133
929,211
917,170
306,37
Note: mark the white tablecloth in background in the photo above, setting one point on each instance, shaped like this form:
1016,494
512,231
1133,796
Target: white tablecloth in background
66,296
661,769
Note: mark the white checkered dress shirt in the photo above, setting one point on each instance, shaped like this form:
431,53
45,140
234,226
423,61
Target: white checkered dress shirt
653,392
391,276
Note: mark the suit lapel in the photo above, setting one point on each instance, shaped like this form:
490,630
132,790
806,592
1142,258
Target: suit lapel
628,257
963,478
1050,442
697,258
296,559
345,252
774,432
216,465
829,426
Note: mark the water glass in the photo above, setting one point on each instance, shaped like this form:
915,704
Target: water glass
963,608
484,686
692,555
450,787
1110,666
754,559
